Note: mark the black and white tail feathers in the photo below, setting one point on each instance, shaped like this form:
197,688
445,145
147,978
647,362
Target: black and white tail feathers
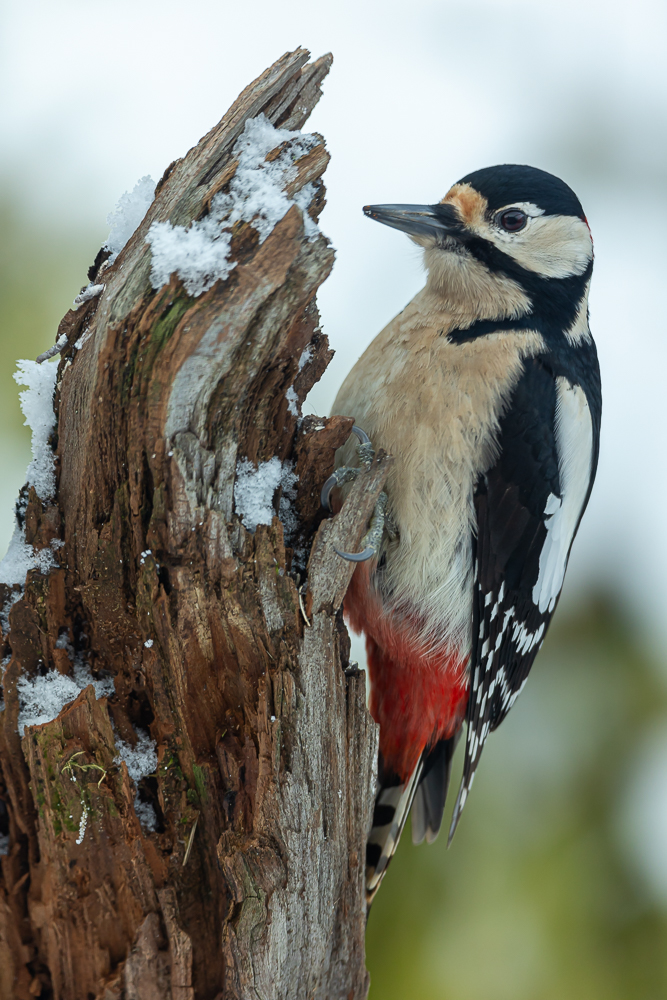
425,790
392,805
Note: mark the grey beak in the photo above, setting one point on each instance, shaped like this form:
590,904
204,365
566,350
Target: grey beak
418,220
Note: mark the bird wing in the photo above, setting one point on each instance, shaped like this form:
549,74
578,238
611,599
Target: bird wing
528,505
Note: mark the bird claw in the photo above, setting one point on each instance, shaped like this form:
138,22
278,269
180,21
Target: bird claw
356,557
348,474
373,537
337,478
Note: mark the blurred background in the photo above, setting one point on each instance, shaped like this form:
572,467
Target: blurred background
556,884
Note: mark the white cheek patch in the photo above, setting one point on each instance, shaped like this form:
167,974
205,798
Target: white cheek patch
555,246
574,442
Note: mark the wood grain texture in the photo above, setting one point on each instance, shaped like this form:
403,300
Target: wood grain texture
251,885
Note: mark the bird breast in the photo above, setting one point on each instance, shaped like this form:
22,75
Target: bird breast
435,406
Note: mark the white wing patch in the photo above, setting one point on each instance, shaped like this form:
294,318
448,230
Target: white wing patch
574,442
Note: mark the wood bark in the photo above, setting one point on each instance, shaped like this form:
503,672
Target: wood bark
251,885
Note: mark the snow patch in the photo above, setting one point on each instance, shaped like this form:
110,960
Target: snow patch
15,596
3,666
20,558
290,395
4,663
42,698
128,214
254,490
141,761
200,253
37,406
292,401
145,814
306,355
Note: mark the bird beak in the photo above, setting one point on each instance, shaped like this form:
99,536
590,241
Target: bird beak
418,220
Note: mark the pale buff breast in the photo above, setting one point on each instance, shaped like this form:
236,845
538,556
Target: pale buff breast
434,406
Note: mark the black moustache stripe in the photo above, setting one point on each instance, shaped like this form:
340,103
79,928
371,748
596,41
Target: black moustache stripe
555,301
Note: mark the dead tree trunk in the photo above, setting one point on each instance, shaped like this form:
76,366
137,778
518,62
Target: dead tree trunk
220,854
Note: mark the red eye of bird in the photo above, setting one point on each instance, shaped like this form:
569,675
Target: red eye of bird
513,220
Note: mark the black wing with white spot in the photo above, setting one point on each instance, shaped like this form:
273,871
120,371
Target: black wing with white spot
528,508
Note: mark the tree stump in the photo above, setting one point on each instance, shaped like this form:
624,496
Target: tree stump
193,823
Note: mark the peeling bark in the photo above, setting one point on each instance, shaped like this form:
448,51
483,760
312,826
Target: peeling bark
251,885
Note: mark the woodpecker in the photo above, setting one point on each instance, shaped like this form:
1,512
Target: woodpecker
486,391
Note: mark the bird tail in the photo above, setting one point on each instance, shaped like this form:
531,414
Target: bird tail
392,805
431,794
427,789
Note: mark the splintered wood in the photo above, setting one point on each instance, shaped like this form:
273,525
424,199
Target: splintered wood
199,832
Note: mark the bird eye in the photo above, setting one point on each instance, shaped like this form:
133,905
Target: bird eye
513,220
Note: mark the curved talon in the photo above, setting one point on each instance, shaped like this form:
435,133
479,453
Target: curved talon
361,434
373,537
345,474
366,453
357,557
325,495
337,478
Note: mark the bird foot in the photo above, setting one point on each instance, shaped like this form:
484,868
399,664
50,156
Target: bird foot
347,474
373,537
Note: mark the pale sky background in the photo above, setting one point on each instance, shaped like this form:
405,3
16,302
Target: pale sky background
96,95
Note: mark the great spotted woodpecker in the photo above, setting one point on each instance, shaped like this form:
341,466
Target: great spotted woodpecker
486,391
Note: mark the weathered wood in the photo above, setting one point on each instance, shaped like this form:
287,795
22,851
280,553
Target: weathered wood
251,885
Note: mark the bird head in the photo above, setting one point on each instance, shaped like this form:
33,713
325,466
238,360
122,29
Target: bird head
501,244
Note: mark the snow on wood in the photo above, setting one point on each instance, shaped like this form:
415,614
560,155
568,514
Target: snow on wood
254,491
252,881
37,406
127,215
19,559
141,761
200,253
42,698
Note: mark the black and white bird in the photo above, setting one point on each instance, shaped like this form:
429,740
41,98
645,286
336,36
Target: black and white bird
486,391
